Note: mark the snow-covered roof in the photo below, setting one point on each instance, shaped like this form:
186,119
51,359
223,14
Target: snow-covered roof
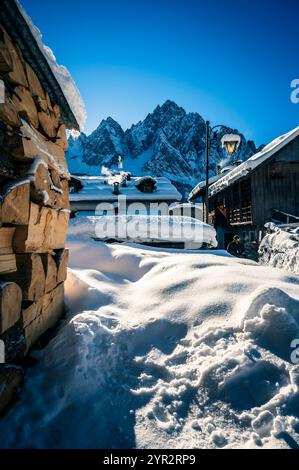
202,184
55,78
95,189
222,181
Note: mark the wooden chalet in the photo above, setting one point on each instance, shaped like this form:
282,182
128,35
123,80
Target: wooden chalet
264,188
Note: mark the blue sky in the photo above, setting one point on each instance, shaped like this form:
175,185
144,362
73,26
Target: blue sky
231,61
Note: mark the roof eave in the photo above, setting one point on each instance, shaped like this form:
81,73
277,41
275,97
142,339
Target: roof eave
18,29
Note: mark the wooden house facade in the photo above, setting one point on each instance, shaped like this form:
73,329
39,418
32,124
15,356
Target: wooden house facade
262,189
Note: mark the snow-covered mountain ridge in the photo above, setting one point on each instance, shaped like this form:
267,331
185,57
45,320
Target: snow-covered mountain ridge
168,142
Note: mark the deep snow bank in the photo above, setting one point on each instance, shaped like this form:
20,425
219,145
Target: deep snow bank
281,249
165,349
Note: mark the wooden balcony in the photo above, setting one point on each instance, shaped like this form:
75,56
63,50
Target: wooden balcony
240,215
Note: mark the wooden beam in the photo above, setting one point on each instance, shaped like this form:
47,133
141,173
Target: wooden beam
30,275
57,115
39,316
61,138
50,269
46,230
15,203
6,238
25,105
47,124
61,258
35,86
8,112
17,76
34,145
10,305
5,58
8,263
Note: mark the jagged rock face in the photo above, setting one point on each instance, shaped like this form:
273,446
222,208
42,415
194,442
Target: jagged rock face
169,142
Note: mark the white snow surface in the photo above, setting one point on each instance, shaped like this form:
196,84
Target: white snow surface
280,249
60,72
95,189
164,348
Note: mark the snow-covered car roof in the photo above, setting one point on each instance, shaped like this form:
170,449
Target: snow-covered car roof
144,228
55,78
99,188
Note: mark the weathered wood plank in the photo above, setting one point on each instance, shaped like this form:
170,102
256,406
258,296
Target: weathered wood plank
8,263
46,230
35,86
30,275
47,124
34,145
10,304
50,269
42,315
8,112
61,258
6,238
61,138
14,202
17,76
25,105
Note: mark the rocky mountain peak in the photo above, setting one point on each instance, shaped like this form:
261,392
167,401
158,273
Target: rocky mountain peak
168,142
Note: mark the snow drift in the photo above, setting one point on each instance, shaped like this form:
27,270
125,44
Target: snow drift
165,349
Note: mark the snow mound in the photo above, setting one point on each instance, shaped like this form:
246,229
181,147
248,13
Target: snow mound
280,249
164,348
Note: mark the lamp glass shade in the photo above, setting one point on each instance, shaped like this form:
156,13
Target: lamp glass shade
230,142
230,146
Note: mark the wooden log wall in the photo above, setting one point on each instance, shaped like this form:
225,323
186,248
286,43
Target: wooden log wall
34,212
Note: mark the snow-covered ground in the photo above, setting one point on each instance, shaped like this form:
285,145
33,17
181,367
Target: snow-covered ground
165,348
280,249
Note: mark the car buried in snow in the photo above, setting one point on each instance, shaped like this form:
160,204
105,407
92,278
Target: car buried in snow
156,230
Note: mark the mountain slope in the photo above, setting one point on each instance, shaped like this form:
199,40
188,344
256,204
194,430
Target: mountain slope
168,142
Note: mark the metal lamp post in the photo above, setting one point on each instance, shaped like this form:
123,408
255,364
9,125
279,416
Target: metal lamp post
230,142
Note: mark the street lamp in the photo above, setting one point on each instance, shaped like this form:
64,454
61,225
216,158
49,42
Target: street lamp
230,142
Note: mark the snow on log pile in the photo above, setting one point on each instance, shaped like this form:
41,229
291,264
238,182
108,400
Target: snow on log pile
34,211
280,248
165,349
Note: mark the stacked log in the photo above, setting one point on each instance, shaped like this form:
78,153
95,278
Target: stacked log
34,212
